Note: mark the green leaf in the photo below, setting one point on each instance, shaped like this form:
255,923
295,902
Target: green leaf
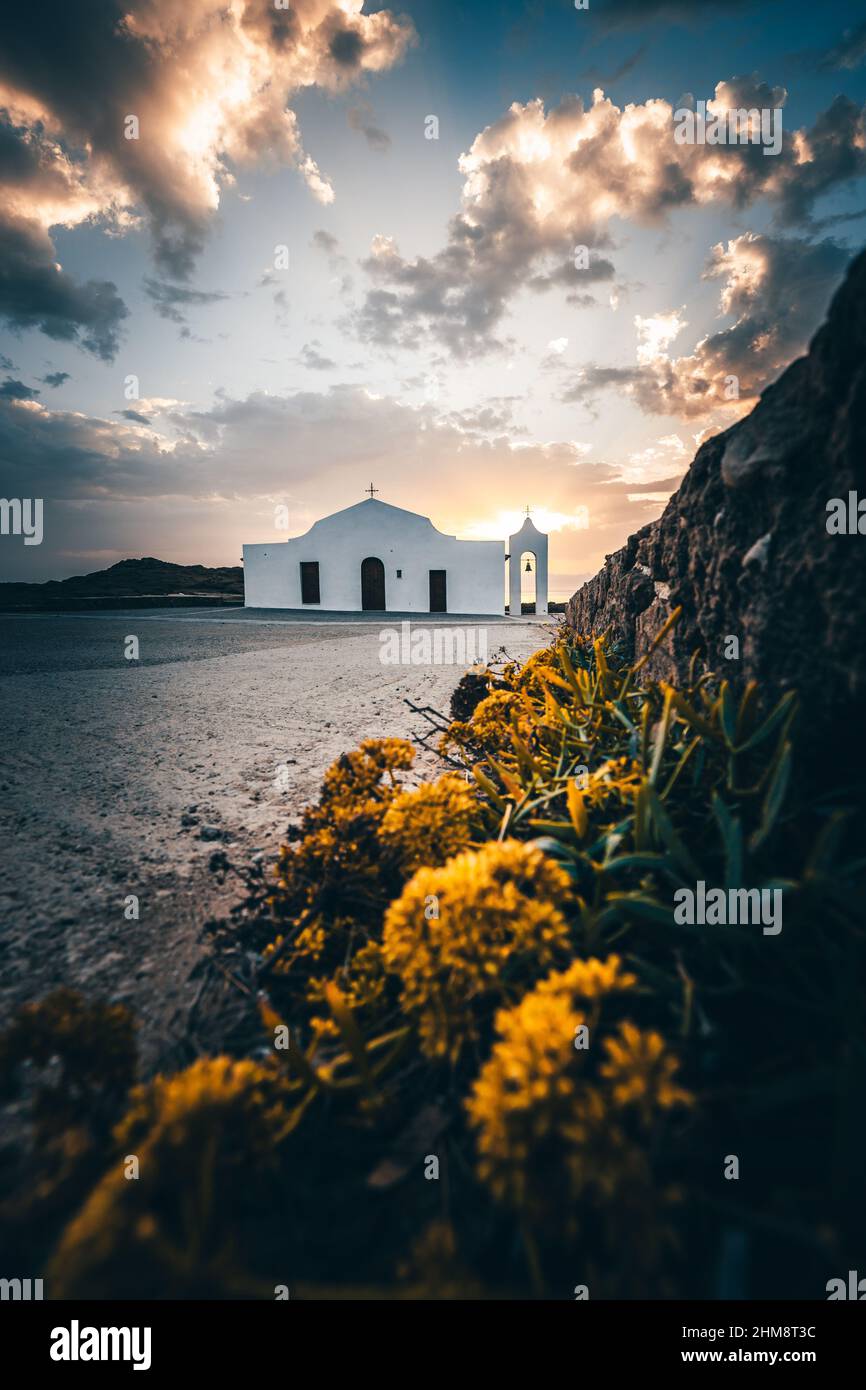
622,716
351,1034
727,713
661,735
636,905
641,818
577,811
488,788
683,759
746,715
659,637
826,846
690,715
732,837
671,839
657,863
783,710
774,798
556,849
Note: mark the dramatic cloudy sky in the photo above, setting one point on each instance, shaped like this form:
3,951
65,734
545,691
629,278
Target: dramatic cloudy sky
310,294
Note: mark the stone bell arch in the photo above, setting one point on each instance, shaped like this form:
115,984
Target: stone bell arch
528,538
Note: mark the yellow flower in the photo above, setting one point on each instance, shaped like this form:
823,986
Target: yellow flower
490,728
206,1142
532,674
430,824
363,983
641,1071
458,934
588,979
335,875
549,1119
356,775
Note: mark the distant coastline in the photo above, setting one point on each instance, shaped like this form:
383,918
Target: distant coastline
145,583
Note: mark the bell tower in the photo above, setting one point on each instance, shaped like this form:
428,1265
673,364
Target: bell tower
531,542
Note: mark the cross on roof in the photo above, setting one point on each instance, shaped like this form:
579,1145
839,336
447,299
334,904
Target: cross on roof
371,489
527,511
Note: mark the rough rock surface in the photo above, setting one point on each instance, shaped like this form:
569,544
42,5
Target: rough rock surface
743,545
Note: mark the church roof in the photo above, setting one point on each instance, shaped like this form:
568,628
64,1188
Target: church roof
372,503
528,526
371,507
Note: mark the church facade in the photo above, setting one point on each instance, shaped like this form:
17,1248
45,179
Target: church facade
373,557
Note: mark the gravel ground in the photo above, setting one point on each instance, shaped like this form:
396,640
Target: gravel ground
124,777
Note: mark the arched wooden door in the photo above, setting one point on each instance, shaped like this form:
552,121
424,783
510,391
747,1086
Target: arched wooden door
373,584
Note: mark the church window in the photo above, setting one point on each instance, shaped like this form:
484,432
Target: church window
310,581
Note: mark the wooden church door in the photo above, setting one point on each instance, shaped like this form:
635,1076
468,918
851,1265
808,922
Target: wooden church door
372,584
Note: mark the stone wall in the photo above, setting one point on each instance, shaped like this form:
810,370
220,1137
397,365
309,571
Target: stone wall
743,545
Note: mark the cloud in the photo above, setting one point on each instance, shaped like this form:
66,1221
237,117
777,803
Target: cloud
593,379
281,308
40,187
312,358
170,300
656,333
847,54
207,83
566,275
540,184
55,379
631,14
35,292
816,161
600,79
361,118
12,390
337,263
494,416
133,415
107,479
775,288
326,242
658,463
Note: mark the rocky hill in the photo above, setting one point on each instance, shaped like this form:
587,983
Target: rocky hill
128,579
743,546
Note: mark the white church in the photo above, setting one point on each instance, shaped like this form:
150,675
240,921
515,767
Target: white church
373,557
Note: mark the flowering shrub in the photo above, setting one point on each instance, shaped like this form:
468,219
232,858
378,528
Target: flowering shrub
557,1121
85,1053
498,921
426,826
490,728
565,1132
367,835
206,1142
335,869
486,971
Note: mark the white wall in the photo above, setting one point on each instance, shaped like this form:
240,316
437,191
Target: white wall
401,540
535,542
